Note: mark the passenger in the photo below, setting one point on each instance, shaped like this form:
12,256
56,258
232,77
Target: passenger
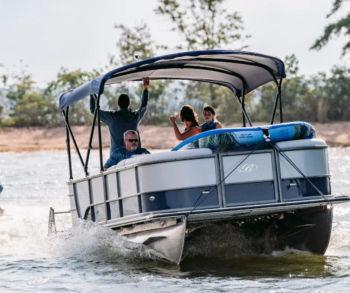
131,148
124,119
190,118
209,118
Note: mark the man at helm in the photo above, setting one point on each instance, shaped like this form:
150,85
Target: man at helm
131,148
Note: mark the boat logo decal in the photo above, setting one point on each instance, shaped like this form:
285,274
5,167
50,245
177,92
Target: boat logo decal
247,168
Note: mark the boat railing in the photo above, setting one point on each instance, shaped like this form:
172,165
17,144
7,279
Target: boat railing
205,182
52,227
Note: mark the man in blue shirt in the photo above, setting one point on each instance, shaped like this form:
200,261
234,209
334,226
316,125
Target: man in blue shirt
124,119
131,148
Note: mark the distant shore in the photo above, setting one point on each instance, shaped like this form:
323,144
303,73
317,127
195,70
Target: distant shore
13,139
28,139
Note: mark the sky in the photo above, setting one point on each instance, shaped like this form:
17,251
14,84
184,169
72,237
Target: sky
41,36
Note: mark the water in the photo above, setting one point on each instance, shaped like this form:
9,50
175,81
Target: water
89,258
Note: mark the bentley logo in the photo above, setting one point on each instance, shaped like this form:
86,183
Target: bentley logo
247,168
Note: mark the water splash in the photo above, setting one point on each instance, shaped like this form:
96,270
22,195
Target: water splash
22,233
89,241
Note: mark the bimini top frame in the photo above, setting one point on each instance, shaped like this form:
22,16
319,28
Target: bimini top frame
240,71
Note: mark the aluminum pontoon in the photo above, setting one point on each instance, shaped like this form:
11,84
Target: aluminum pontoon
270,182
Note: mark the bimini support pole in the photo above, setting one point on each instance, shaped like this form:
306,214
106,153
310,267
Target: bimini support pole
245,116
243,107
278,99
73,138
65,113
99,131
90,139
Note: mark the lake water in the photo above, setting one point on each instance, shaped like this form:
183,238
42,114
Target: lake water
88,258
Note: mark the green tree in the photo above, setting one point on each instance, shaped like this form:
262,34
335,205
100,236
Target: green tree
336,28
3,82
1,111
31,110
228,108
322,98
134,44
295,90
28,105
23,83
320,101
333,95
204,25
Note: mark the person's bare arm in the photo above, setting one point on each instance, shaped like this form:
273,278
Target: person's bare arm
218,125
175,127
184,135
145,83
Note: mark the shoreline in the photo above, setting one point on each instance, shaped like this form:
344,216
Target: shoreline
30,139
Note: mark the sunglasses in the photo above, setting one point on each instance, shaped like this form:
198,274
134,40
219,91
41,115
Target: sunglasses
133,140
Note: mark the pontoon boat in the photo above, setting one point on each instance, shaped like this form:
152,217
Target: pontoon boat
270,183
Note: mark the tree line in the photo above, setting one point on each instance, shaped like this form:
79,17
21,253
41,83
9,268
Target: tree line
198,25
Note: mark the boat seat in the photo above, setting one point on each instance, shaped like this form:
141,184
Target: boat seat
301,144
165,156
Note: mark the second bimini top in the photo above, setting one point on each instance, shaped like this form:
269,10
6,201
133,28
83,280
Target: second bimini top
240,71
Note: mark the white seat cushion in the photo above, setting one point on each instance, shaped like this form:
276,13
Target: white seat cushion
165,156
301,143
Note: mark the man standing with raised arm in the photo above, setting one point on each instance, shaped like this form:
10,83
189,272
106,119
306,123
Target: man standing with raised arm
123,119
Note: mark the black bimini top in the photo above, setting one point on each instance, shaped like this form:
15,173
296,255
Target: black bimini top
240,71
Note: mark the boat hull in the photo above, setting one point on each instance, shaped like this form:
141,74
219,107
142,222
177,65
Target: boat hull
165,237
175,239
305,230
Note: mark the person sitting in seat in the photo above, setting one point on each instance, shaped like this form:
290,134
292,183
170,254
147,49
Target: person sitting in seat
190,118
209,118
131,148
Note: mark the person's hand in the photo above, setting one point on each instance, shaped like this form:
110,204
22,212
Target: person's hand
173,118
145,82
